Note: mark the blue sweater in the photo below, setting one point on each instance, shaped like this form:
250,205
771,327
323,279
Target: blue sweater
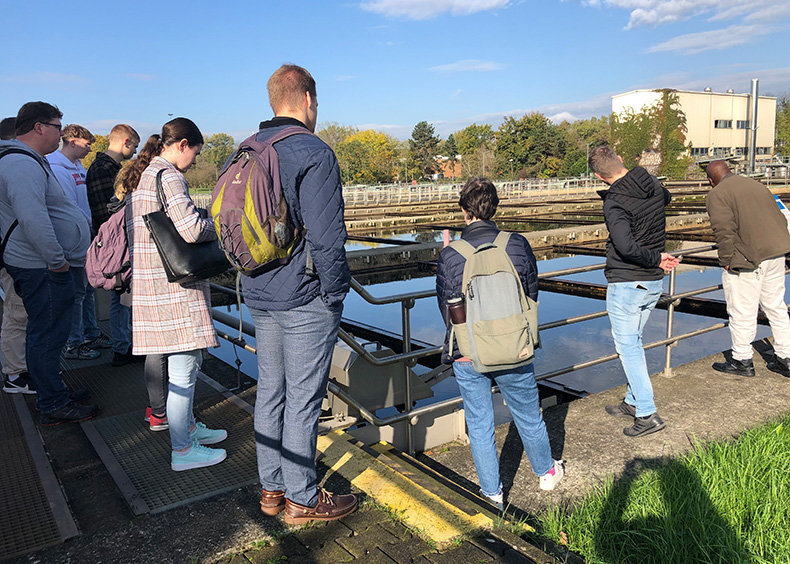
310,179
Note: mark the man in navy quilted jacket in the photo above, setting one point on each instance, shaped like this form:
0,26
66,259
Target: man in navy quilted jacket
633,208
296,309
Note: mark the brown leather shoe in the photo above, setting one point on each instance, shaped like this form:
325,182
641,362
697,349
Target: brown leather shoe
328,508
272,503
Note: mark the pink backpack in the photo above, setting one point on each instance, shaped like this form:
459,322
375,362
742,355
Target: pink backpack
108,264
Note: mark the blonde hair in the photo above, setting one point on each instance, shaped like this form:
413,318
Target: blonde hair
74,131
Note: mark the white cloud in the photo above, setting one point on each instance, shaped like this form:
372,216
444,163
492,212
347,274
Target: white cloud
466,65
456,93
563,116
716,40
425,9
660,12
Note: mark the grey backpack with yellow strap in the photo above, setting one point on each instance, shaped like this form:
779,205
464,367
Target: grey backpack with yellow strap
501,328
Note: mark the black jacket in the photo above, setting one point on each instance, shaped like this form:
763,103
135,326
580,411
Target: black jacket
450,271
633,208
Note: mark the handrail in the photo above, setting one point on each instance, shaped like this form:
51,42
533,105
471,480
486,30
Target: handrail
409,357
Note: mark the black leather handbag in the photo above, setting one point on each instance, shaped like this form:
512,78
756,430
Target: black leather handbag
183,261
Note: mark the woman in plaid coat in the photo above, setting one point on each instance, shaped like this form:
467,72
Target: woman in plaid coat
172,319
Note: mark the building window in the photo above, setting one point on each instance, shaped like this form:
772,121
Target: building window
699,151
721,151
742,124
763,150
722,124
740,151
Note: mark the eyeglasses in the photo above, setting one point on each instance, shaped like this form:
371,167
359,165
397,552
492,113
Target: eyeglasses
59,126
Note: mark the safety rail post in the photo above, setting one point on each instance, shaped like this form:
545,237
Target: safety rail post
406,306
670,319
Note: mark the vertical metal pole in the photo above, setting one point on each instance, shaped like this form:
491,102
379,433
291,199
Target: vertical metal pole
670,319
753,125
406,305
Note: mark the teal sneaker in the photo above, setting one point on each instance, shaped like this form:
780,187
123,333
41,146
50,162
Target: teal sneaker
206,436
196,457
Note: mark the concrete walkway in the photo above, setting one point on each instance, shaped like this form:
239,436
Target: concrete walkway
697,403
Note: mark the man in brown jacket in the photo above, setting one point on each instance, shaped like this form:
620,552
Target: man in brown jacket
752,236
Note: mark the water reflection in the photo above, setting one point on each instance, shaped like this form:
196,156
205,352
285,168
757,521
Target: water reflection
562,346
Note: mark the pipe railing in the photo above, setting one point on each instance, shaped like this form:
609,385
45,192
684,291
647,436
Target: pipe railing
409,358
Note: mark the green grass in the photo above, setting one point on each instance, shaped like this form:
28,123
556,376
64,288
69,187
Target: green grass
725,502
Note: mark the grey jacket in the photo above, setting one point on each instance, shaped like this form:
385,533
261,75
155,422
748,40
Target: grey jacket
52,230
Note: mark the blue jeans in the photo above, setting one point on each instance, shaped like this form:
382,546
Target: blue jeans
48,298
89,327
294,357
629,305
520,391
120,325
182,369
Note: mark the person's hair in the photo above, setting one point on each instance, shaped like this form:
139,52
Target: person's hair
287,87
74,131
124,131
8,128
128,177
604,161
34,112
717,170
172,132
479,198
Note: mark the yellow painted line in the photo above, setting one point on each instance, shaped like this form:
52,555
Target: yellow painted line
418,507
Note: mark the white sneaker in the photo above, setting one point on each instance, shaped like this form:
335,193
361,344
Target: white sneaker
550,479
498,500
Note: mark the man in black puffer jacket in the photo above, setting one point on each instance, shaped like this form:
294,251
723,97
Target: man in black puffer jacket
633,208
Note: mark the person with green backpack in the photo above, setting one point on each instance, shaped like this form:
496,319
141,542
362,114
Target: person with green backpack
489,280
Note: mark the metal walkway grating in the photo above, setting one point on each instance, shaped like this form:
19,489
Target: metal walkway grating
27,521
119,390
139,459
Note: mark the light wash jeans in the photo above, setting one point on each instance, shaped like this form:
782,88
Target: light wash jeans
182,370
629,305
520,391
120,325
294,357
744,291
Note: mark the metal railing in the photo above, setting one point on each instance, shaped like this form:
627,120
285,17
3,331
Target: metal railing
409,358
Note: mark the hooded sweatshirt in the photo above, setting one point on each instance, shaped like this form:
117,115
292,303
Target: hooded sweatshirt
72,178
633,208
51,230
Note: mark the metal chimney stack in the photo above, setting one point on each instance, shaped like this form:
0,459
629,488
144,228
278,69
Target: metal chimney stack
753,126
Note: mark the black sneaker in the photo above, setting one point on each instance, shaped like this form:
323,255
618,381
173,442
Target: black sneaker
737,367
100,342
23,384
72,412
780,366
74,395
122,359
644,426
621,410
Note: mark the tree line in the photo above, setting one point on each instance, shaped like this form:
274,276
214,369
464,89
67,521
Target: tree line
531,146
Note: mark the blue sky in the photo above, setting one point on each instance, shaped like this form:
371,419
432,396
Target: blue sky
382,64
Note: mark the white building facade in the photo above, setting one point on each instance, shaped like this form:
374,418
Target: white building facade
719,124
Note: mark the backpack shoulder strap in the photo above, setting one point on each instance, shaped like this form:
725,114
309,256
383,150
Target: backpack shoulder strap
18,151
287,132
502,239
464,248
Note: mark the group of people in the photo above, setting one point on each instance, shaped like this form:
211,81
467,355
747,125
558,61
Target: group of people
55,207
50,207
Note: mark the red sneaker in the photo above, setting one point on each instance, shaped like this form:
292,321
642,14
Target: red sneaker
157,423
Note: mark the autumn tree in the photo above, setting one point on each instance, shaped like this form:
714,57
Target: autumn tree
535,145
368,157
101,144
333,133
217,149
580,136
423,149
783,125
660,127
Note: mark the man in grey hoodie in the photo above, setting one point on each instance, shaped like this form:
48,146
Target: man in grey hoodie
52,234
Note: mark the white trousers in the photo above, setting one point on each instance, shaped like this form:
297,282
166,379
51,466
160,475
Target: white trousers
744,291
14,328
